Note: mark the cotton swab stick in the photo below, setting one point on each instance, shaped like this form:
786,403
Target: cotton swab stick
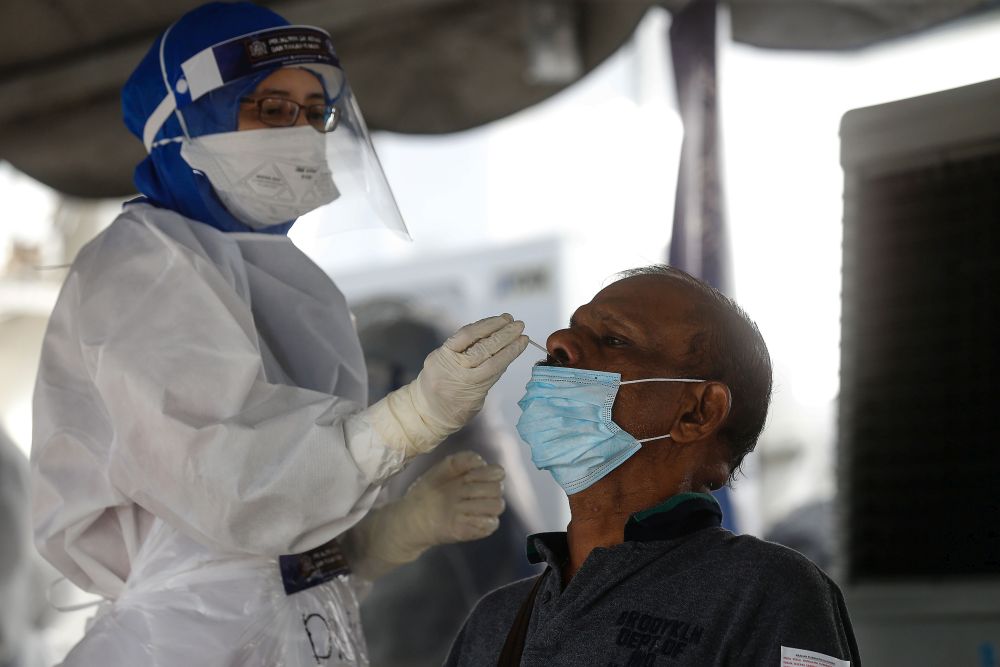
540,347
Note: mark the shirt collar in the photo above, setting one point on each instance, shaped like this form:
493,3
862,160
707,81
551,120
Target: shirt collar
675,517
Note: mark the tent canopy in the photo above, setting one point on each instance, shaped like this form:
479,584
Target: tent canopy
418,66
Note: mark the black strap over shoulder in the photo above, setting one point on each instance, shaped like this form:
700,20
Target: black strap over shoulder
510,656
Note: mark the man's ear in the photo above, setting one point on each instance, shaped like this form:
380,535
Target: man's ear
703,412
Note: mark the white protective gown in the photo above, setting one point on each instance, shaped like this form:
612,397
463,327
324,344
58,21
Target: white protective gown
196,415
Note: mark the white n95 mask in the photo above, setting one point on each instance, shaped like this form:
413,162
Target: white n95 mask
265,177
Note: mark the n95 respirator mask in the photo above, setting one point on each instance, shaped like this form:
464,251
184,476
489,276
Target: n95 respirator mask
265,177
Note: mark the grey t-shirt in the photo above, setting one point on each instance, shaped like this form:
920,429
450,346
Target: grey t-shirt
698,596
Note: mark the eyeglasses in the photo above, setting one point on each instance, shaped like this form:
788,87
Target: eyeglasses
282,112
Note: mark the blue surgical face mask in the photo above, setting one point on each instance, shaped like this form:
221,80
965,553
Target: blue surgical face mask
566,420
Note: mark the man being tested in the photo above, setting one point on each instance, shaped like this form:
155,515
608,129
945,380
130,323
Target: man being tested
647,402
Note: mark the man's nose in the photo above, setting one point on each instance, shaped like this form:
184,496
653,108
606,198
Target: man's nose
564,347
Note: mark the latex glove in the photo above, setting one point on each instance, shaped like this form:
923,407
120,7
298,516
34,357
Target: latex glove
451,388
457,500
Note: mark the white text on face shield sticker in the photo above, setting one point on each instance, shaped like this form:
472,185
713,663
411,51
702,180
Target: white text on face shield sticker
796,657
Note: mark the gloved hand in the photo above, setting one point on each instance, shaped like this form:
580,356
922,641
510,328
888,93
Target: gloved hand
451,388
457,500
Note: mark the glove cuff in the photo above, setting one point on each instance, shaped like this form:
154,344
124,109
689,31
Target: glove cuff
374,546
398,421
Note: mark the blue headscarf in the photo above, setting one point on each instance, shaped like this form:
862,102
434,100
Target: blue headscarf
164,178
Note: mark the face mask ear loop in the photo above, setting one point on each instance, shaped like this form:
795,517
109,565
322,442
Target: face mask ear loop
659,437
68,608
661,380
166,83
688,380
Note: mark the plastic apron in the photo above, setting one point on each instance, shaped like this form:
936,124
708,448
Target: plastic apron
183,606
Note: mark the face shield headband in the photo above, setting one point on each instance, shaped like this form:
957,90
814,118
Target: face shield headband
238,58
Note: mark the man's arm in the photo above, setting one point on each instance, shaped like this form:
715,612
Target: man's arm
803,612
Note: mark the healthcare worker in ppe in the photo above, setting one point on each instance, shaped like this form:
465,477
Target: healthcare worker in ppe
202,449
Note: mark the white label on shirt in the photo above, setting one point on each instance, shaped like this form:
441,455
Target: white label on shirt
796,657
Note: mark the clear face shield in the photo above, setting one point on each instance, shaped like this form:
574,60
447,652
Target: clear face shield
363,198
301,146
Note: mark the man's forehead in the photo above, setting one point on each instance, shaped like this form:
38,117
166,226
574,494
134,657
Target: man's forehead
650,297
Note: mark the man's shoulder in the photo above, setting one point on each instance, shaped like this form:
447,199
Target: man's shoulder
743,559
773,569
779,559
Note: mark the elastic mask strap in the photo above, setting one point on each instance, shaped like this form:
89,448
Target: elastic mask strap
661,380
166,83
164,142
166,107
72,607
688,380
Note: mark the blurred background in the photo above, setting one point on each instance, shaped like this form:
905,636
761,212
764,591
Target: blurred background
831,165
